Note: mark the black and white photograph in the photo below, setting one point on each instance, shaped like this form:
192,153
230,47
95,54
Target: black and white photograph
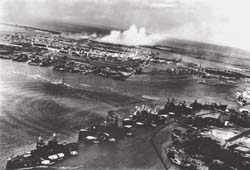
124,85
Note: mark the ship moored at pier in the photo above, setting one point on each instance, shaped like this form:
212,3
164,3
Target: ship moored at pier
44,155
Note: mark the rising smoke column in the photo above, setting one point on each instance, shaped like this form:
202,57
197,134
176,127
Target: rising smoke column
133,36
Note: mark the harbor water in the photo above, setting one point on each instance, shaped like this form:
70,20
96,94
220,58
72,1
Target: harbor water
37,100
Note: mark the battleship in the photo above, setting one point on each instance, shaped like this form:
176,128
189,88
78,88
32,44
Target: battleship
20,58
106,131
114,128
117,128
44,155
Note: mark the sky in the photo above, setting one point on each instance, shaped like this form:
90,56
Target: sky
223,22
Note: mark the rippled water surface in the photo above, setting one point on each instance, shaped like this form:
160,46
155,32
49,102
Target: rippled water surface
32,103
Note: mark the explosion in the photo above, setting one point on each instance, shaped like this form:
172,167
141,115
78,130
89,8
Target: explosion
132,36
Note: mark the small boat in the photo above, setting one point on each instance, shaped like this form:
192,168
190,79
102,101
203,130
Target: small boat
112,139
58,82
202,81
129,134
175,161
172,156
20,58
45,62
153,125
33,63
5,57
139,123
242,102
119,77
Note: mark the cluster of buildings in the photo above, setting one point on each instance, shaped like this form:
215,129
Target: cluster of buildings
213,137
103,59
83,55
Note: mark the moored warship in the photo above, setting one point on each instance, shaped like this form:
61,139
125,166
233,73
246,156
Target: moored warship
44,155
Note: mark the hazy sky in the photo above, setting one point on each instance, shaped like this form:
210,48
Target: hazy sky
216,21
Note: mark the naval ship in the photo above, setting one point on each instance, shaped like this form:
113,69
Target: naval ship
44,155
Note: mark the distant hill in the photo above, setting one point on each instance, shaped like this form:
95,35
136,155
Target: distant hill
206,51
75,28
201,46
29,28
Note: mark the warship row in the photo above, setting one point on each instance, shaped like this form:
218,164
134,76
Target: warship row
199,122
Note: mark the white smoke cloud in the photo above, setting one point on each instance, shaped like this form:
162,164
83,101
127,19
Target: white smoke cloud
133,36
82,35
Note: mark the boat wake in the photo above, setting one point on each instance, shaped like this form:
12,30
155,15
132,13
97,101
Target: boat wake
40,167
39,77
34,76
70,167
60,82
85,85
150,97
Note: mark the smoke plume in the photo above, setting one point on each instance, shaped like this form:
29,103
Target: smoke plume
132,36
